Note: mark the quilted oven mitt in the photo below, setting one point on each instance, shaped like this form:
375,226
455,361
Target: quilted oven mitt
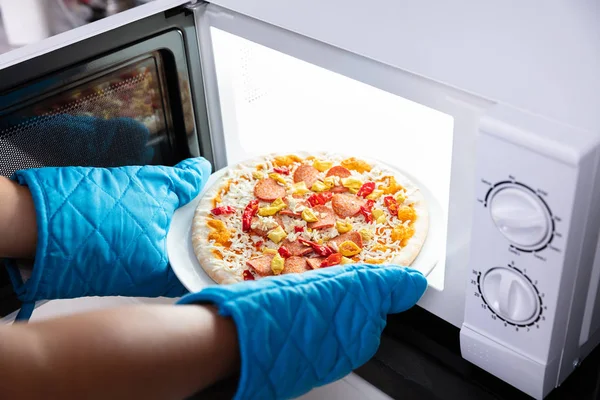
297,332
102,231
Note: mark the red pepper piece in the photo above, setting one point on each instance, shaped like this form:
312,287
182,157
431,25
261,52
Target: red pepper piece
332,260
298,229
222,210
319,198
248,275
282,170
366,209
321,250
259,244
283,252
391,203
250,211
366,189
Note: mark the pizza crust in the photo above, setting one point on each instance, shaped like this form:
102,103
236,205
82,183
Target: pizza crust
221,274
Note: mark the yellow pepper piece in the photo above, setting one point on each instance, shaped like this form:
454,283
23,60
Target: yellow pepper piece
319,186
349,248
366,234
322,166
277,177
269,251
343,226
375,195
406,213
353,184
300,188
378,216
277,234
346,260
373,261
257,175
402,234
273,209
329,181
400,197
284,161
309,216
277,264
379,247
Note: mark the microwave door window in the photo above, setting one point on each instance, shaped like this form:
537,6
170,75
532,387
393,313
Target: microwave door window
273,102
117,118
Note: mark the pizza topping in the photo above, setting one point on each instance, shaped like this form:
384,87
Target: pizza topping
262,225
223,210
309,216
257,175
402,234
391,204
366,189
346,260
332,260
307,174
317,248
277,234
353,184
250,211
366,210
378,216
247,275
406,213
296,248
295,265
353,236
392,186
284,252
272,209
356,165
322,166
282,170
269,251
326,218
268,190
366,235
339,171
291,214
219,232
346,205
298,229
300,188
278,178
319,186
349,248
343,226
277,264
319,198
261,264
285,161
315,262
375,195
259,244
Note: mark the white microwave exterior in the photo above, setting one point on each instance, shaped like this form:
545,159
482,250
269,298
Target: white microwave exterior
540,56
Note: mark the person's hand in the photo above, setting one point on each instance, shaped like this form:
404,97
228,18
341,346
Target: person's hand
300,331
102,231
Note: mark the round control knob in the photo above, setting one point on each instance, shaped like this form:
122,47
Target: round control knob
510,295
520,216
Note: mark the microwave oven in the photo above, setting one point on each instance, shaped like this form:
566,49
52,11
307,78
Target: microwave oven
492,106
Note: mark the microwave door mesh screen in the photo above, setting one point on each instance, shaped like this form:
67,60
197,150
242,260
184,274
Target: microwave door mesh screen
112,120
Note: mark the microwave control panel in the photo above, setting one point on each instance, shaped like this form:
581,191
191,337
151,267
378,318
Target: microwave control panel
523,204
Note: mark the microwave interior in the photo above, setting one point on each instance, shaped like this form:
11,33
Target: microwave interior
167,87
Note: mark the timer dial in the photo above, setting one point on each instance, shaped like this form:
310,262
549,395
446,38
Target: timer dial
521,216
510,295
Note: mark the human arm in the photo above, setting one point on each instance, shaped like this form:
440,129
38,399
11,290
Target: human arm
149,352
17,221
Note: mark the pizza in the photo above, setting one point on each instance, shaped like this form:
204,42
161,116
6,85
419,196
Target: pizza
292,213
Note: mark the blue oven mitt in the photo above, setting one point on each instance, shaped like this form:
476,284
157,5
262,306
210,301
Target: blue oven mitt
102,231
300,331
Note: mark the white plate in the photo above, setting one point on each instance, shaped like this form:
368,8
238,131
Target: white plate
185,264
